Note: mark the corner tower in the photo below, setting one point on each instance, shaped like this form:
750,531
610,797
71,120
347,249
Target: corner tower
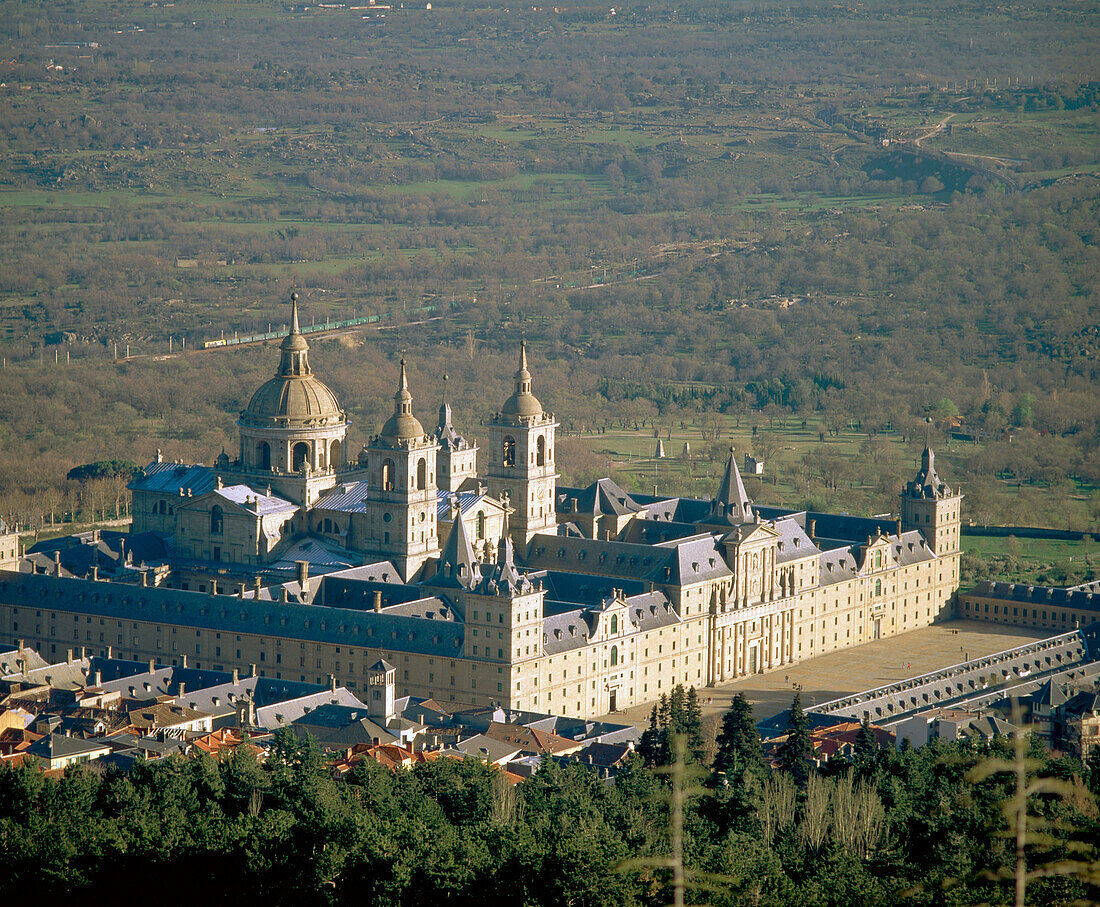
929,505
401,478
521,458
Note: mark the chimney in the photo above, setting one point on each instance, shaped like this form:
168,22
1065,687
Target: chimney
184,660
284,596
182,687
213,587
259,585
898,527
83,653
110,652
240,591
152,666
251,670
57,563
95,573
68,656
97,679
377,600
332,682
236,676
303,576
144,578
811,529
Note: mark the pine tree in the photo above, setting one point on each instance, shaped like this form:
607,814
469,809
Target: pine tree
738,741
866,747
796,753
693,726
649,746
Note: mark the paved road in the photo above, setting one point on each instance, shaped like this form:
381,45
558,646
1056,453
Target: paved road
854,670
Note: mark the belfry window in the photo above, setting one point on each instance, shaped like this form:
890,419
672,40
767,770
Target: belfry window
509,452
388,470
263,455
540,451
301,455
421,474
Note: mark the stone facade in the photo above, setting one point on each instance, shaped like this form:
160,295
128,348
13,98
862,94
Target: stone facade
513,590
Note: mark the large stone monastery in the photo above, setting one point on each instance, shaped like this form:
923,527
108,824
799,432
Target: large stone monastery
504,588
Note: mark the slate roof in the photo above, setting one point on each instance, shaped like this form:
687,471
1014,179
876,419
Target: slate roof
265,504
731,504
793,542
171,478
349,497
457,567
603,497
58,746
228,613
1038,595
566,627
682,561
321,554
467,501
287,712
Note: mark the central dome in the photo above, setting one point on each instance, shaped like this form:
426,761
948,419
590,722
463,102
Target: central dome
295,398
293,395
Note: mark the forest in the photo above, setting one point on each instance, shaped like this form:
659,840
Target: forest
882,827
732,216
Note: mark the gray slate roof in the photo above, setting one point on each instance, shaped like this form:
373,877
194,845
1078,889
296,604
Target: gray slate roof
171,478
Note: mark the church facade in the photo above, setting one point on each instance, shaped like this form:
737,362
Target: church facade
510,589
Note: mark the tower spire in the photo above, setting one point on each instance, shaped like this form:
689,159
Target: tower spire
731,504
402,400
294,359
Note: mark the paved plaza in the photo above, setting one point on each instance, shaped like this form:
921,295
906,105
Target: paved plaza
863,668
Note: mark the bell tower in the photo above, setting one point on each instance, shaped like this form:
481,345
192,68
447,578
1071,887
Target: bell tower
929,505
521,458
401,502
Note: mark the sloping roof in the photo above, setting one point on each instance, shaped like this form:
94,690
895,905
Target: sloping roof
285,713
263,504
231,614
58,746
457,565
349,497
531,740
681,561
731,503
466,500
605,497
171,478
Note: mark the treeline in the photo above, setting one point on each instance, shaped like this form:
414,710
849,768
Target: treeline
883,828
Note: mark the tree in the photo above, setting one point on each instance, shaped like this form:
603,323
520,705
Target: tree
738,741
796,753
649,746
866,746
